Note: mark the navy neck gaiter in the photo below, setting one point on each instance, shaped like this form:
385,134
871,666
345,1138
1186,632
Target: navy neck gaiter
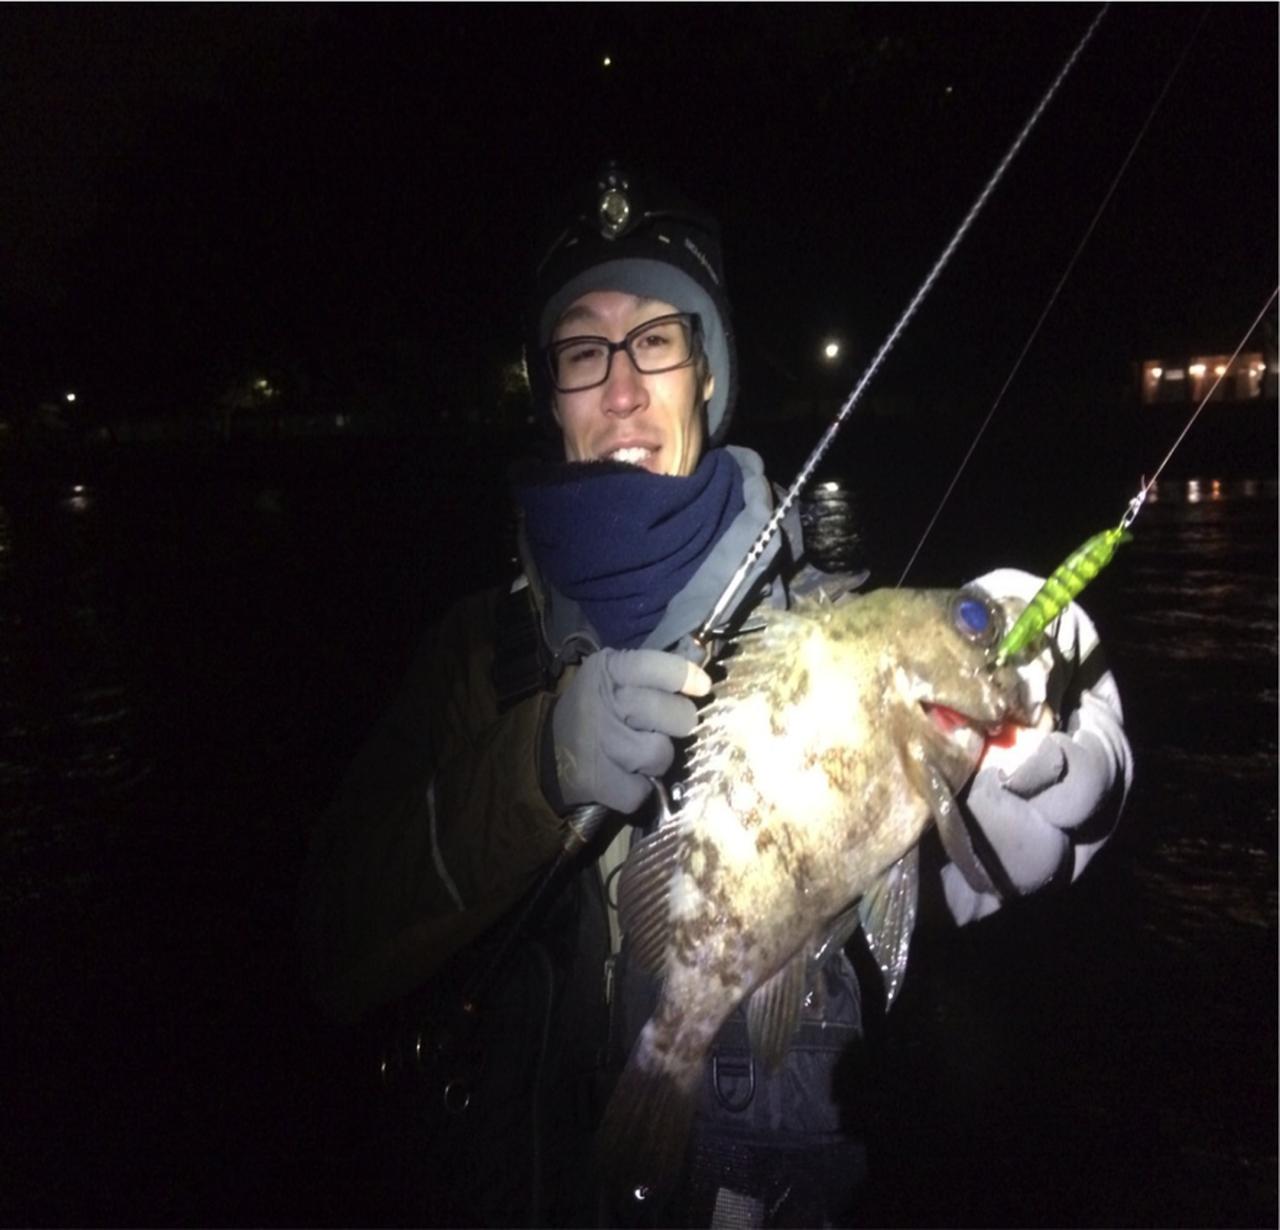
622,542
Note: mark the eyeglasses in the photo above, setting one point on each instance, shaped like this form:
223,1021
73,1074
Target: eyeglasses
659,345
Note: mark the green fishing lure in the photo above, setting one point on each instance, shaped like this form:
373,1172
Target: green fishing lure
1064,584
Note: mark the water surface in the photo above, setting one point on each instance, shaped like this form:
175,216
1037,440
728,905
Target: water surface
190,654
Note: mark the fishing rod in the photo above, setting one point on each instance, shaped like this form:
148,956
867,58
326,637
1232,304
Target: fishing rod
1079,568
734,593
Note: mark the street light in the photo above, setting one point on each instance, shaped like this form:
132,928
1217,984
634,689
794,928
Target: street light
831,351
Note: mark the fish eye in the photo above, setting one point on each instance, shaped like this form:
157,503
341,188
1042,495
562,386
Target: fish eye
975,617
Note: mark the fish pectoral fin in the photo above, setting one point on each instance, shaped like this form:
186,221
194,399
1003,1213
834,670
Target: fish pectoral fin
774,1010
838,933
644,895
887,912
966,845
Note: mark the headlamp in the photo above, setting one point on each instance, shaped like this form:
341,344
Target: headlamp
645,239
614,211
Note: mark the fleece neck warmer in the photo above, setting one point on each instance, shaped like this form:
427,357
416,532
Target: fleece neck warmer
622,542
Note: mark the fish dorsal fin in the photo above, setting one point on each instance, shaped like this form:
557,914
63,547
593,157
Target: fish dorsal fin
644,895
888,914
826,589
774,1010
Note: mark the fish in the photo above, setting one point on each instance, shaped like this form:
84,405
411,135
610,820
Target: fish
841,730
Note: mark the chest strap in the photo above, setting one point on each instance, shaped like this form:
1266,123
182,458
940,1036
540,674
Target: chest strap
521,661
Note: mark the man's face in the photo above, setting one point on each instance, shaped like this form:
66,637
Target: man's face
656,420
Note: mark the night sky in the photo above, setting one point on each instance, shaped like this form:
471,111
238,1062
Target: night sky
349,196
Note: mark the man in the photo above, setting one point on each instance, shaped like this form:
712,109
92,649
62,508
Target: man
577,687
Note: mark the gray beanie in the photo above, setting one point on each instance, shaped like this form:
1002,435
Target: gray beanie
651,243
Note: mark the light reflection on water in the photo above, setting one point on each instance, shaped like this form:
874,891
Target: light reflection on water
1197,633
1197,490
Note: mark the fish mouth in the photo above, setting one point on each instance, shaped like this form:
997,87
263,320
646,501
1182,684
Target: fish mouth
947,719
969,733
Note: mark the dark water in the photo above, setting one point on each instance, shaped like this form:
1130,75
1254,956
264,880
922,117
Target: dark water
190,650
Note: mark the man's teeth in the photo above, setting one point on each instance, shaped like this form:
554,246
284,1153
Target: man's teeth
633,456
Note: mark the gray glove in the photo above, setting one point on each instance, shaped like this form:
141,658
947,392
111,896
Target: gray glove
613,725
1033,815
1049,807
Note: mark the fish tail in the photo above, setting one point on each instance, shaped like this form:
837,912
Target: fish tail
645,1131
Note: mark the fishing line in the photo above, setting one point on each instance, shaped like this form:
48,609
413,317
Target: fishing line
725,604
1067,580
1053,298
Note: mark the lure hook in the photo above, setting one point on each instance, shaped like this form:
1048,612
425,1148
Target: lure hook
1135,507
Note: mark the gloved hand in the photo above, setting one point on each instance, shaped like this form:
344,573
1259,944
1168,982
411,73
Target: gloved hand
1028,816
1048,804
613,725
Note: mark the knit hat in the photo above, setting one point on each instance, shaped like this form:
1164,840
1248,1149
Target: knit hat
641,238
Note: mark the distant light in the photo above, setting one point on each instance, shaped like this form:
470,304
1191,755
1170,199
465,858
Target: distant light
1196,369
608,61
950,90
829,487
831,350
80,499
1157,372
71,397
1215,490
339,420
261,384
1220,370
1193,491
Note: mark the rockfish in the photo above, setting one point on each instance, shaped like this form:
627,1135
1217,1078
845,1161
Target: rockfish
840,732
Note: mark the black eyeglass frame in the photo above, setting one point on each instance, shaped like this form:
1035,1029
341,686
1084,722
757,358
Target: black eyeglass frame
692,321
